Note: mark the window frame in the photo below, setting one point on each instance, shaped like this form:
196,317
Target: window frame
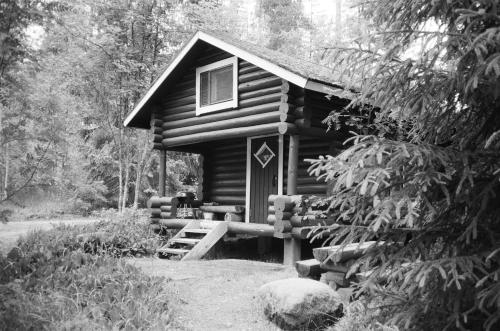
221,105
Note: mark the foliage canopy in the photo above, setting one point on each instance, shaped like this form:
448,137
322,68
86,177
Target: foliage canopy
425,179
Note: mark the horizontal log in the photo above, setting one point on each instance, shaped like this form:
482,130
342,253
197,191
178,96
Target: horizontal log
157,130
158,146
341,254
243,64
252,229
259,93
178,117
157,122
235,175
337,267
285,86
259,84
271,219
178,109
211,58
231,182
157,202
188,100
310,220
236,209
230,145
295,210
301,232
286,202
282,226
225,160
217,117
225,124
157,138
227,190
155,212
232,217
312,189
224,199
287,128
166,214
175,94
186,82
222,134
287,118
283,215
260,100
228,168
303,123
286,108
166,208
248,69
154,220
253,76
308,268
305,180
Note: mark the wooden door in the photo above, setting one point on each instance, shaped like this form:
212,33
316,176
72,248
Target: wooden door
263,176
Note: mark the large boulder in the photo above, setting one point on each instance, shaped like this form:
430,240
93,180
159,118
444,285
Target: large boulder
300,303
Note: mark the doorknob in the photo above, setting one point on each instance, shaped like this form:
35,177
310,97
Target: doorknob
275,180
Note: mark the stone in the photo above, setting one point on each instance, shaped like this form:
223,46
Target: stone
300,303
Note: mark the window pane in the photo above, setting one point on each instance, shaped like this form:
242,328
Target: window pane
204,89
221,82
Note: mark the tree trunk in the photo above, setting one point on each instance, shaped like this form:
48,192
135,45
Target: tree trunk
120,171
125,185
140,169
6,173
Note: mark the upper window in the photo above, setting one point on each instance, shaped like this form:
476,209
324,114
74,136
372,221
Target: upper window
216,86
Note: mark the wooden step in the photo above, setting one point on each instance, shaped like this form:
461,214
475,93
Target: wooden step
201,231
187,241
175,251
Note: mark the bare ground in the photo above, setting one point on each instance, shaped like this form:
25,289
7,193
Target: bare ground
217,294
11,231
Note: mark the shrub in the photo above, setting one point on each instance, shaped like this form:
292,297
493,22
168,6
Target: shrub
126,234
81,291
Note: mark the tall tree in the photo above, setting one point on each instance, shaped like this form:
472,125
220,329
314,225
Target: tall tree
426,183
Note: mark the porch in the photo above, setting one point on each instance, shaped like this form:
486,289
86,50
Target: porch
260,208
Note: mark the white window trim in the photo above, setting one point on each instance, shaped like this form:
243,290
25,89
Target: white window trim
221,105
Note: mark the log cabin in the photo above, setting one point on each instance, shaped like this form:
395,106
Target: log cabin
253,116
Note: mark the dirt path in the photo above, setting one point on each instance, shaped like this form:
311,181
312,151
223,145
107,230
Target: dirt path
217,294
10,231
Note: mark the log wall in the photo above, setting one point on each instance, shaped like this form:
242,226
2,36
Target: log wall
224,170
262,101
310,109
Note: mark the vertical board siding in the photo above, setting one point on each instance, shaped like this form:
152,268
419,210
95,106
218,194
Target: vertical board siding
261,179
224,172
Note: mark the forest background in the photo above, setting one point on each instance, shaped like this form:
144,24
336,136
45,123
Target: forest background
70,72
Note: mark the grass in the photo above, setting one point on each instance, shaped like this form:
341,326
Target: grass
70,278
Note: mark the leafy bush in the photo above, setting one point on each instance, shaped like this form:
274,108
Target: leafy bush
79,291
68,278
126,234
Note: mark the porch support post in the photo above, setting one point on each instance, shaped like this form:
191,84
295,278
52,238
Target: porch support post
292,246
162,172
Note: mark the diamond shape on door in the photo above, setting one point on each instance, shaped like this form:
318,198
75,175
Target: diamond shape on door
264,155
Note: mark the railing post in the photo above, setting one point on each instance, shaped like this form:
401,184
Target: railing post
162,172
292,246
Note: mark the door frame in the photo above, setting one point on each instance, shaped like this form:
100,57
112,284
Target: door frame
249,169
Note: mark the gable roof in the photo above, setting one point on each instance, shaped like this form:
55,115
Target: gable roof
303,73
